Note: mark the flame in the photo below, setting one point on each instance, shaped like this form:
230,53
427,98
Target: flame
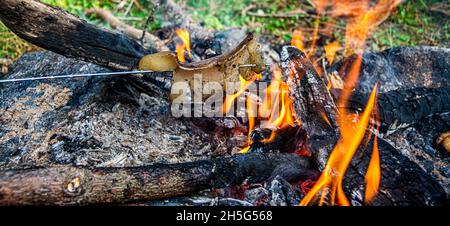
373,174
362,20
373,171
185,46
352,133
297,40
277,105
330,51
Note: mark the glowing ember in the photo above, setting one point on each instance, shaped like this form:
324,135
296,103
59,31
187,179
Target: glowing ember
185,46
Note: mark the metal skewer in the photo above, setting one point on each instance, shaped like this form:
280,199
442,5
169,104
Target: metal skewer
73,76
91,75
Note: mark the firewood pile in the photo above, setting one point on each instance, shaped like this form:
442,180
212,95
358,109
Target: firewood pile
103,140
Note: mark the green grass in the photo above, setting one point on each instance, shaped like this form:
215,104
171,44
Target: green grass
412,23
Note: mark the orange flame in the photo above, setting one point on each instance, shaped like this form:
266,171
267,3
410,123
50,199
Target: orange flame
330,181
363,18
331,50
373,171
373,174
284,116
297,40
277,105
185,46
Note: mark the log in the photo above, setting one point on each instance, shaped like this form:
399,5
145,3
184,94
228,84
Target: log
313,103
59,31
70,185
403,107
400,176
403,182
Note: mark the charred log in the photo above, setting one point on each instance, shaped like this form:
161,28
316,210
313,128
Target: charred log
403,182
401,68
405,107
313,104
59,31
68,185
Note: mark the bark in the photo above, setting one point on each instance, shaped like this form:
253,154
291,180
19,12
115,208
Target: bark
313,104
403,182
399,175
134,33
405,107
69,185
59,31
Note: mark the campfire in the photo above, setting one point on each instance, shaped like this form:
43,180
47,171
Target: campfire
213,118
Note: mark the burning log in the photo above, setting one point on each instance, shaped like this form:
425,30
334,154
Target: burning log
402,182
400,176
68,185
312,102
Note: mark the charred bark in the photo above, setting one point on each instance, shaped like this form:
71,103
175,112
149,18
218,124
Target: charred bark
403,182
400,176
313,104
59,31
405,107
68,185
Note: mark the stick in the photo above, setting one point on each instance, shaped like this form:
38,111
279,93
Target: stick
134,33
68,185
59,31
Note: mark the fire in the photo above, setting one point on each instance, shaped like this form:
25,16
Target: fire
297,40
352,133
277,106
185,46
373,171
330,51
279,117
362,20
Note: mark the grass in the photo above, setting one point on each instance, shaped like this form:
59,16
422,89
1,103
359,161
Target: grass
412,23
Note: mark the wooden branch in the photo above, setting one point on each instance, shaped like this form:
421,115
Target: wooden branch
59,31
313,103
68,185
134,33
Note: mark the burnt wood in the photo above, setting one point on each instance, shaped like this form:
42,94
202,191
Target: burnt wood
403,182
69,185
400,176
54,29
312,103
405,106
